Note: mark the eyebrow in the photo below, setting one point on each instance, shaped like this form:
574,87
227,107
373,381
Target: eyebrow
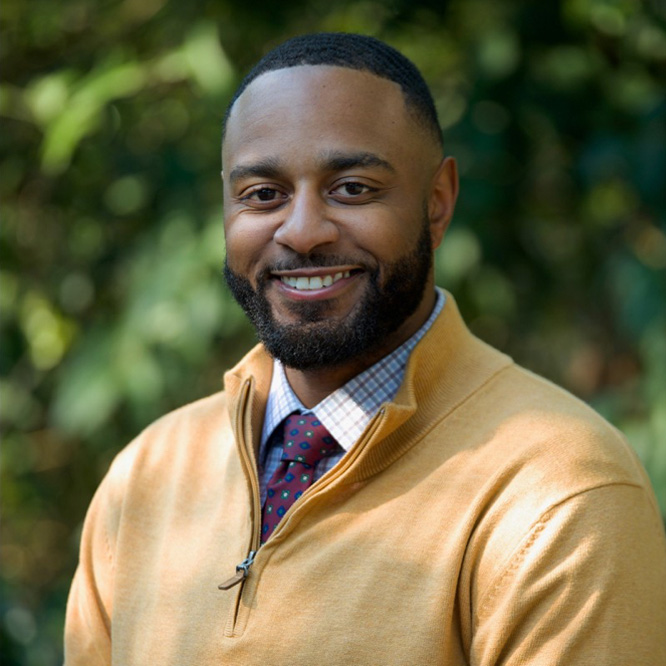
340,161
268,168
330,161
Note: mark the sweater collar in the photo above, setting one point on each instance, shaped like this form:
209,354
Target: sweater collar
446,367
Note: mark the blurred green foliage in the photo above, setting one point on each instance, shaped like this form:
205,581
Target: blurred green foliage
113,308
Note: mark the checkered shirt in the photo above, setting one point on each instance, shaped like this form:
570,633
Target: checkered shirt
345,413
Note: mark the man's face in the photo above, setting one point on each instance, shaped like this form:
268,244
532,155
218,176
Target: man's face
328,184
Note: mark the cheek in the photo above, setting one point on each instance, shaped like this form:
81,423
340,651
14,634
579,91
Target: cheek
389,237
246,243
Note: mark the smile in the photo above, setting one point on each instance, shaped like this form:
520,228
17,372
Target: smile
311,283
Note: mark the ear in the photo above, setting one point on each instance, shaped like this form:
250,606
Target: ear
442,200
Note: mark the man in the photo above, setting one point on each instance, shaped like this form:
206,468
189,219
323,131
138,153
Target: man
374,485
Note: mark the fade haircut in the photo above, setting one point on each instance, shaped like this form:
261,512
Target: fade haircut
353,51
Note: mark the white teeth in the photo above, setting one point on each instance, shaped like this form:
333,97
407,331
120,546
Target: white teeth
317,282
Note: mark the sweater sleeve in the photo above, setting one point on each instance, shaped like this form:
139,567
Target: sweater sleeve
586,585
89,607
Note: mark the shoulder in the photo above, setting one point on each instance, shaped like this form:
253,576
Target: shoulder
554,471
536,425
196,434
566,515
530,450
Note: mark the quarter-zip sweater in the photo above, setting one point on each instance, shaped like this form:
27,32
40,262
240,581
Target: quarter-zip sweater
484,517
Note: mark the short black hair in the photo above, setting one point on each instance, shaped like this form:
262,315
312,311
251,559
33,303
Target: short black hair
360,52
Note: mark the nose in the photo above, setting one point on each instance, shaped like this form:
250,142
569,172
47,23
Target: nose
306,225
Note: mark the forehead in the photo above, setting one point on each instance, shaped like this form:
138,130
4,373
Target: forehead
320,107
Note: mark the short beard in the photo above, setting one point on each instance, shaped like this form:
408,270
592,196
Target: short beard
317,342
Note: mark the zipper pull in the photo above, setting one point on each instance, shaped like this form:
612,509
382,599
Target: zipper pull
242,570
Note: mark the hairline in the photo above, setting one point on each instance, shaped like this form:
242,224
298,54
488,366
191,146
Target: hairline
411,106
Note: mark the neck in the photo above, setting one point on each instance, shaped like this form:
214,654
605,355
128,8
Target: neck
312,386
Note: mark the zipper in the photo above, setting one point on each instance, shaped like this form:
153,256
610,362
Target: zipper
250,468
249,464
242,570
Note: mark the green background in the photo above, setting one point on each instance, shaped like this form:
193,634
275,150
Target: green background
113,306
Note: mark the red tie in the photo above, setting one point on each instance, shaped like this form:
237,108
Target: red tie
306,442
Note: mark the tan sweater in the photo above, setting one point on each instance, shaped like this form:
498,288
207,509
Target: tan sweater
484,517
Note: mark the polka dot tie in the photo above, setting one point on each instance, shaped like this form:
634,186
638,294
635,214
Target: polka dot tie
306,441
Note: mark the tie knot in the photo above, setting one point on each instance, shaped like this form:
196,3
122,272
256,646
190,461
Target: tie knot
306,440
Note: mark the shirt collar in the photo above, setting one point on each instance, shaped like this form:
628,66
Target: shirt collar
347,411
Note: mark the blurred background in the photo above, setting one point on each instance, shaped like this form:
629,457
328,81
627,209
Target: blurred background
113,306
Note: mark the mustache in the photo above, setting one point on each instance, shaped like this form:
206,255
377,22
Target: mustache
313,261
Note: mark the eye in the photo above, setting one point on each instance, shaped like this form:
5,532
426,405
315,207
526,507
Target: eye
352,190
263,196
